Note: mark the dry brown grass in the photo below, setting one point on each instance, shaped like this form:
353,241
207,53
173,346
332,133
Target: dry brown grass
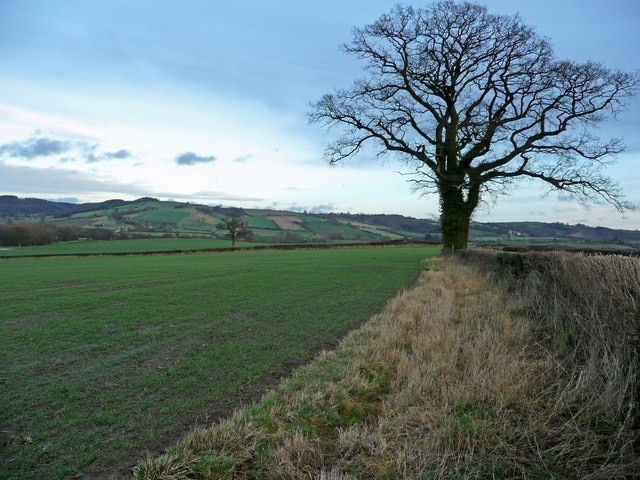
454,379
586,309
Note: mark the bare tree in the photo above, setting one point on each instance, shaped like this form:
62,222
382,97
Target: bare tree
474,102
236,226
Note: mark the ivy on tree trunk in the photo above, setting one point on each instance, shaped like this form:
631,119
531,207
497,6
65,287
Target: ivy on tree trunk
455,215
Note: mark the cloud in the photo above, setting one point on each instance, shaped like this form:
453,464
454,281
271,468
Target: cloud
244,158
190,158
35,147
43,122
322,208
63,182
46,147
213,195
73,185
119,155
565,197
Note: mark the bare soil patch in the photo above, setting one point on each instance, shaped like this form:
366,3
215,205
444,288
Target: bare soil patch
287,223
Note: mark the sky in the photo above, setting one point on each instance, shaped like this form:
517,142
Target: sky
206,102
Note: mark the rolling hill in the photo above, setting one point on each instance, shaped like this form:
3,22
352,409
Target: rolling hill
152,217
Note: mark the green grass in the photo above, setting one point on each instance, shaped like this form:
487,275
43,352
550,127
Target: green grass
121,246
103,356
163,215
546,242
261,223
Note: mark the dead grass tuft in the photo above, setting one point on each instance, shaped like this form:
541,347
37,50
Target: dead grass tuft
454,379
165,467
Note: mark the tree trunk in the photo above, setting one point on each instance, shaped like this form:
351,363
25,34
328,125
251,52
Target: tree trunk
455,217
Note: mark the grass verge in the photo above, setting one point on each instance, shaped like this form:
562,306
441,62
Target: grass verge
453,379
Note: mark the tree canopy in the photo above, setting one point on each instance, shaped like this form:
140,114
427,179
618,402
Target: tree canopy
474,102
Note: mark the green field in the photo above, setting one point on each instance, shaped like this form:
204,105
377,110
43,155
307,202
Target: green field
104,357
118,247
264,223
338,229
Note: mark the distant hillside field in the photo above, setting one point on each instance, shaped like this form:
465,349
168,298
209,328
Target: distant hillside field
149,217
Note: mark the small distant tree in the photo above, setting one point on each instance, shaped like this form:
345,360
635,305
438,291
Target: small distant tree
237,228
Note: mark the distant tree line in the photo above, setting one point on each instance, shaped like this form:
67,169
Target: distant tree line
30,234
